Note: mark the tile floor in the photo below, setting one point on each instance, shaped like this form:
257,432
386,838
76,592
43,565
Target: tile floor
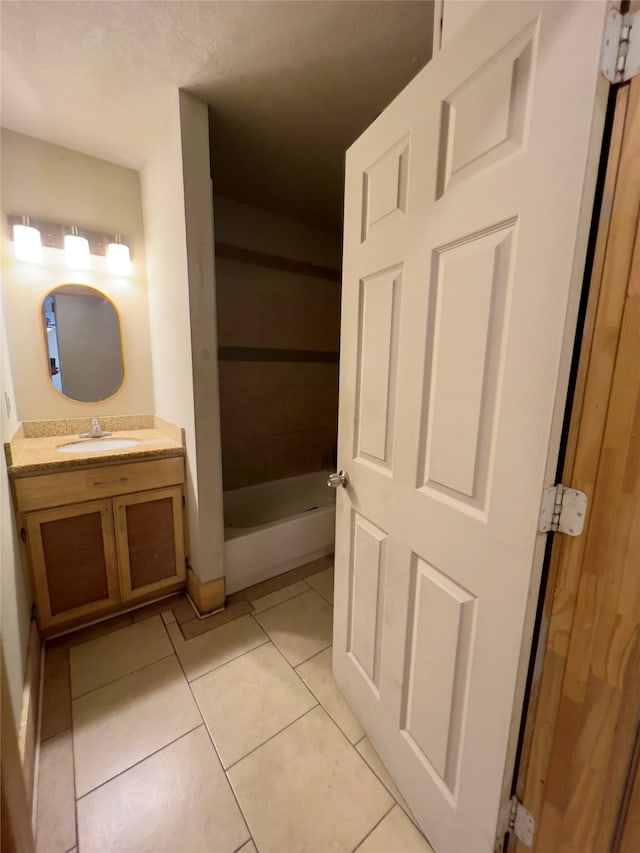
162,732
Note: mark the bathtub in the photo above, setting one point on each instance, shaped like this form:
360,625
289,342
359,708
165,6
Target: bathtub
276,526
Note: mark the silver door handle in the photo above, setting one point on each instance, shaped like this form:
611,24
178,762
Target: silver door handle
339,479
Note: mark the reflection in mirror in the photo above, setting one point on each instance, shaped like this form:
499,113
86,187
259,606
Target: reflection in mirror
84,348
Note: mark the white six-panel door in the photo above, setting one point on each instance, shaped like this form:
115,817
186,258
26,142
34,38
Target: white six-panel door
462,207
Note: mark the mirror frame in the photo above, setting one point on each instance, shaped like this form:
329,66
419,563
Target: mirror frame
45,342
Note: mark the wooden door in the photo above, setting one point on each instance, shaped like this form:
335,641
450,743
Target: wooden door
73,558
150,541
463,207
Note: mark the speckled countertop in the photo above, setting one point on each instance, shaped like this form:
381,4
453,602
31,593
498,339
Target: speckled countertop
28,456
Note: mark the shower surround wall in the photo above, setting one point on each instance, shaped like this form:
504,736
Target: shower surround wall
278,301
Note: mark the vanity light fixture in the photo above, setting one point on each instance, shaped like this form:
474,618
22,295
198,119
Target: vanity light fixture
76,250
30,236
118,257
27,242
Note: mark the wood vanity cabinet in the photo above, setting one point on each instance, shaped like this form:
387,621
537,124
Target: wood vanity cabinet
96,556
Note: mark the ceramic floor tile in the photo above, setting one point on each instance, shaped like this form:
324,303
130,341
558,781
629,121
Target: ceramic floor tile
300,627
101,661
375,763
208,651
395,833
56,812
119,724
91,632
323,584
248,700
176,801
56,694
307,789
277,597
317,675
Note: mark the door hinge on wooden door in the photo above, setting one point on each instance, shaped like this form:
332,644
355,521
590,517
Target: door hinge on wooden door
518,821
563,510
621,46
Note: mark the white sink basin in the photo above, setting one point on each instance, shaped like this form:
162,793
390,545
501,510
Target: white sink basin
88,445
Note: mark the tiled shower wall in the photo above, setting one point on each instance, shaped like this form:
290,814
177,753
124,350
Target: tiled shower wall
278,333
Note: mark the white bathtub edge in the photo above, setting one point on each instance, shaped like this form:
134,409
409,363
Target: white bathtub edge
241,580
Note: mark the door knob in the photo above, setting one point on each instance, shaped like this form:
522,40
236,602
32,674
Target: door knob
339,479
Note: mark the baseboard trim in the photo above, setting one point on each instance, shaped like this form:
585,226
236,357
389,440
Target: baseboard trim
206,597
77,624
29,716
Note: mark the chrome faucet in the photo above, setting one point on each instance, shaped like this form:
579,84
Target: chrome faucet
95,431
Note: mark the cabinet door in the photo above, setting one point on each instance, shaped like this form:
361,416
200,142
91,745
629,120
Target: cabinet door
73,559
150,541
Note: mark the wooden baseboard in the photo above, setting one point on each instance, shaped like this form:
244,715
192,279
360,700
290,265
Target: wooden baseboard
206,597
28,727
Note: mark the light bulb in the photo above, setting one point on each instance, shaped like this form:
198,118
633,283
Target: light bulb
28,246
76,251
118,258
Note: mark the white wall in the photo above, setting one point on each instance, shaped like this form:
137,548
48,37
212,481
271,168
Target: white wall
262,231
176,187
15,597
198,206
59,185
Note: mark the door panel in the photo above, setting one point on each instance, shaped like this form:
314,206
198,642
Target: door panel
378,319
368,567
74,561
469,288
150,541
384,192
501,90
441,638
462,208
73,551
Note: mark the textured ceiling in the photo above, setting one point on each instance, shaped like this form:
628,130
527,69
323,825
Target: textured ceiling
290,84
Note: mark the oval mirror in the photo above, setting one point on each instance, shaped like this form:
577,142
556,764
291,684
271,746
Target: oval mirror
83,343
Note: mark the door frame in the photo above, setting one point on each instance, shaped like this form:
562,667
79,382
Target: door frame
16,832
553,716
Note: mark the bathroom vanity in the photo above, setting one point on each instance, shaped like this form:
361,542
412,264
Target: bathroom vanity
103,529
